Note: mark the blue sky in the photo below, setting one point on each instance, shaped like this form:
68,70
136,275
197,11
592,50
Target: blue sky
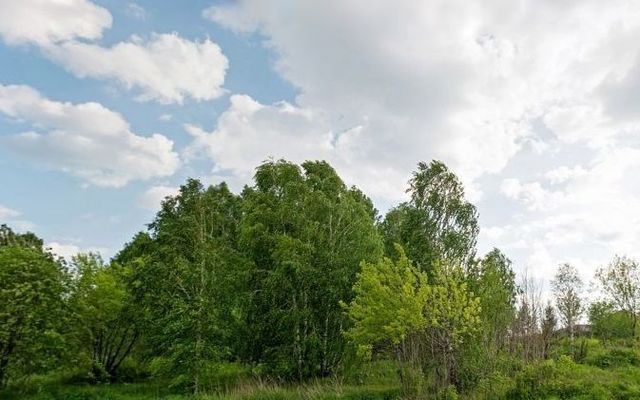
58,206
107,106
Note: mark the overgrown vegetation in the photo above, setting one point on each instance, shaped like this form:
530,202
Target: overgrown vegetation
297,288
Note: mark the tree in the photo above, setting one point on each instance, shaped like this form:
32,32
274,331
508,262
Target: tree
10,238
609,323
388,309
306,233
567,287
437,223
426,322
547,328
32,285
105,315
453,319
493,281
525,331
620,281
185,279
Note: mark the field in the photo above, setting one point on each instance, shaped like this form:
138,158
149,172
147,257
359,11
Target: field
599,372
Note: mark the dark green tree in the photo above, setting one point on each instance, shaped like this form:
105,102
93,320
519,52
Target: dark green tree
306,233
547,329
493,281
437,223
608,323
187,279
105,315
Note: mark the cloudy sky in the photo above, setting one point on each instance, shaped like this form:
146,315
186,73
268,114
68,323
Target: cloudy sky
107,106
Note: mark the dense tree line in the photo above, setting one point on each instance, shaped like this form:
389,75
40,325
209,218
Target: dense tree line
297,277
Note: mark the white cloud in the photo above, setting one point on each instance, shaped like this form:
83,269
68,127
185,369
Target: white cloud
249,132
538,94
86,140
13,219
563,174
533,195
68,250
457,81
163,67
153,197
44,21
7,213
166,68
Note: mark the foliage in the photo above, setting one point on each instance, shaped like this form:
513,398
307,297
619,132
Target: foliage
104,314
493,281
566,289
189,277
437,223
547,329
620,280
284,292
32,285
453,319
389,303
608,323
306,234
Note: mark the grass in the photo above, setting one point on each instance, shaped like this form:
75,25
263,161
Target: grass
610,372
146,391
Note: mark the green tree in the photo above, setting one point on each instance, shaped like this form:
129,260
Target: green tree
567,287
105,315
547,329
32,287
620,281
427,322
437,223
453,315
609,323
186,279
493,281
306,233
388,309
10,238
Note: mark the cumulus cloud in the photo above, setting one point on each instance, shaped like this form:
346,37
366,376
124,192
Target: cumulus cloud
166,67
250,132
43,21
533,99
457,81
86,140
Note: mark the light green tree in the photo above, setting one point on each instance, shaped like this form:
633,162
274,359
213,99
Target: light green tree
426,322
453,319
389,309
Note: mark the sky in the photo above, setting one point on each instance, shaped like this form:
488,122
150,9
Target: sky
108,106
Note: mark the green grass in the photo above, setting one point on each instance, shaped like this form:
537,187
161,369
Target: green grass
610,372
256,391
